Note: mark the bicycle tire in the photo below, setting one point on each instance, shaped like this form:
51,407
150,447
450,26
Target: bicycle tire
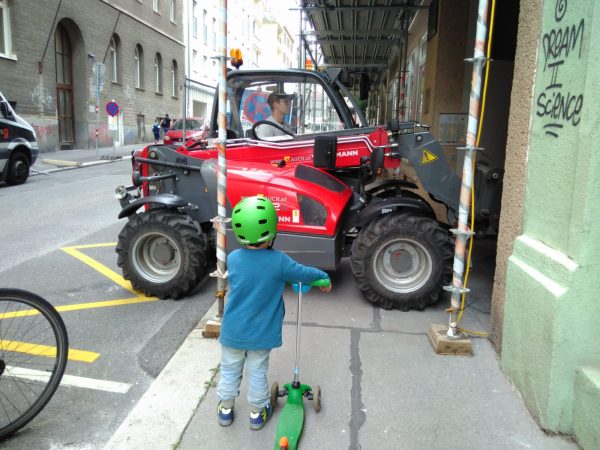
33,344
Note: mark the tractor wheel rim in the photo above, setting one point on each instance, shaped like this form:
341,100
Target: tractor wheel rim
402,266
156,257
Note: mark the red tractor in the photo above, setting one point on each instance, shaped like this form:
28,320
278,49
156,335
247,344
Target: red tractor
322,177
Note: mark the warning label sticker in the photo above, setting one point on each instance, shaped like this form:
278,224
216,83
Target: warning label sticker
427,157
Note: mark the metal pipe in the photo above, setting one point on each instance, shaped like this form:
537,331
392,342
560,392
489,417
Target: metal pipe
404,67
300,42
298,335
463,232
222,162
186,76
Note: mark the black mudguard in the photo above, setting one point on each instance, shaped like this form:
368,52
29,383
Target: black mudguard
378,207
169,201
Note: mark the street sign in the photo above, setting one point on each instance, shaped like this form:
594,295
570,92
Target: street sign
112,109
99,69
113,124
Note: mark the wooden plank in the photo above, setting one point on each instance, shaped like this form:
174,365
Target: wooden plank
443,345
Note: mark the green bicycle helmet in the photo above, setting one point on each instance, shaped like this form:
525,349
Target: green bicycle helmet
254,220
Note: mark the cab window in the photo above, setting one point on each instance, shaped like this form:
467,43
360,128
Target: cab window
310,108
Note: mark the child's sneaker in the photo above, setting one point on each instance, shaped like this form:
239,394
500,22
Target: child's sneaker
258,420
225,415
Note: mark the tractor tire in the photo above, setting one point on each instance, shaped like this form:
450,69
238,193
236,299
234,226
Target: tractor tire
162,253
402,261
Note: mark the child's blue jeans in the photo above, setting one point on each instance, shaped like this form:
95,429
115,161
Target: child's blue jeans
232,367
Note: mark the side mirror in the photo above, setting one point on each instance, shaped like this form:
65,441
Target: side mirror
325,152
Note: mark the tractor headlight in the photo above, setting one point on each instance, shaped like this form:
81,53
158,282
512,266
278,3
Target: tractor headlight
121,192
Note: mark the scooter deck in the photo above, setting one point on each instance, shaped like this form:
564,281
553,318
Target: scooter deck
291,419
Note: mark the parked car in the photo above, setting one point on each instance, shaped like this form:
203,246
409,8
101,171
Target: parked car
196,128
18,145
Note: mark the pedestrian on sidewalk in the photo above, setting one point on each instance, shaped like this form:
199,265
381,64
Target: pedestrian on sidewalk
165,124
253,315
156,130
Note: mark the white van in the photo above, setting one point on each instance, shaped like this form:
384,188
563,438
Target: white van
18,145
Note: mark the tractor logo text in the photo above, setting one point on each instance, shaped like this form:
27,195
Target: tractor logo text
297,158
277,200
348,153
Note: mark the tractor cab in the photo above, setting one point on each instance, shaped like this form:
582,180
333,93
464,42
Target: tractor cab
274,116
303,103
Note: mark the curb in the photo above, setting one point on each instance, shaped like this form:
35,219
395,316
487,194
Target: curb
71,165
161,416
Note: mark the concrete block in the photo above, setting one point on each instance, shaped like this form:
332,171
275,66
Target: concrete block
443,345
212,329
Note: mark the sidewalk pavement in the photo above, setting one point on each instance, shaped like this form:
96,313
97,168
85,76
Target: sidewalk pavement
383,386
49,162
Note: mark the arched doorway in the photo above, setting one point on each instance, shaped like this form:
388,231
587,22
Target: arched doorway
64,88
71,67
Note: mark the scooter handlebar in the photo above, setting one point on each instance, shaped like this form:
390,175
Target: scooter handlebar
321,282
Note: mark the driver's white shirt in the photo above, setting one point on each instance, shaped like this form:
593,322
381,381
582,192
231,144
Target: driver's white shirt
266,131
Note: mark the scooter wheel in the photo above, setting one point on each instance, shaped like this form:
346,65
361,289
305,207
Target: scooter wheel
274,394
317,398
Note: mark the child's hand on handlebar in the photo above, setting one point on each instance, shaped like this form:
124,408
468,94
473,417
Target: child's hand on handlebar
326,288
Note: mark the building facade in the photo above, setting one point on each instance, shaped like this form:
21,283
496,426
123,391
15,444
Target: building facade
265,42
64,63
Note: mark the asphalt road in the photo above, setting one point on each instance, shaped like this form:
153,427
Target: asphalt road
57,239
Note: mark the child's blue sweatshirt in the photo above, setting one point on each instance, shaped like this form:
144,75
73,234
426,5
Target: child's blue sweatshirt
254,309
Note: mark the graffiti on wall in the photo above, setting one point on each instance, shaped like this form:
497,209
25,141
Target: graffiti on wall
557,104
105,136
129,93
42,97
47,133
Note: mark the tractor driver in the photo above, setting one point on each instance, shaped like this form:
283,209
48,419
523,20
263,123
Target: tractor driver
279,102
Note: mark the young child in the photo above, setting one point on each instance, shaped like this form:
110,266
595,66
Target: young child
253,315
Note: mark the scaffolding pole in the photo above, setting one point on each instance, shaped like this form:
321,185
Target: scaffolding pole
213,327
463,233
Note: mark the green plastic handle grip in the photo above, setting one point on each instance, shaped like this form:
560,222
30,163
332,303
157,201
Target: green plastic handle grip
322,282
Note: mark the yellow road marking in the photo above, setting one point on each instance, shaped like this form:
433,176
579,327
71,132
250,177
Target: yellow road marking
90,305
45,350
74,354
110,274
107,244
104,304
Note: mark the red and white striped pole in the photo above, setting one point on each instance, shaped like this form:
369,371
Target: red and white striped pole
221,219
463,233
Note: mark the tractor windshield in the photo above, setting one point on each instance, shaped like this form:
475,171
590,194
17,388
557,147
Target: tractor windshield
310,104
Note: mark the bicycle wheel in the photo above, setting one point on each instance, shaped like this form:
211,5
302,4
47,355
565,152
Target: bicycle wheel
33,357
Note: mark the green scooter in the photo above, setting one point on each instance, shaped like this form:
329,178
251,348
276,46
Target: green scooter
291,418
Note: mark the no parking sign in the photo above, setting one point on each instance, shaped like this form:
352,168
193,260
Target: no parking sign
256,107
112,109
